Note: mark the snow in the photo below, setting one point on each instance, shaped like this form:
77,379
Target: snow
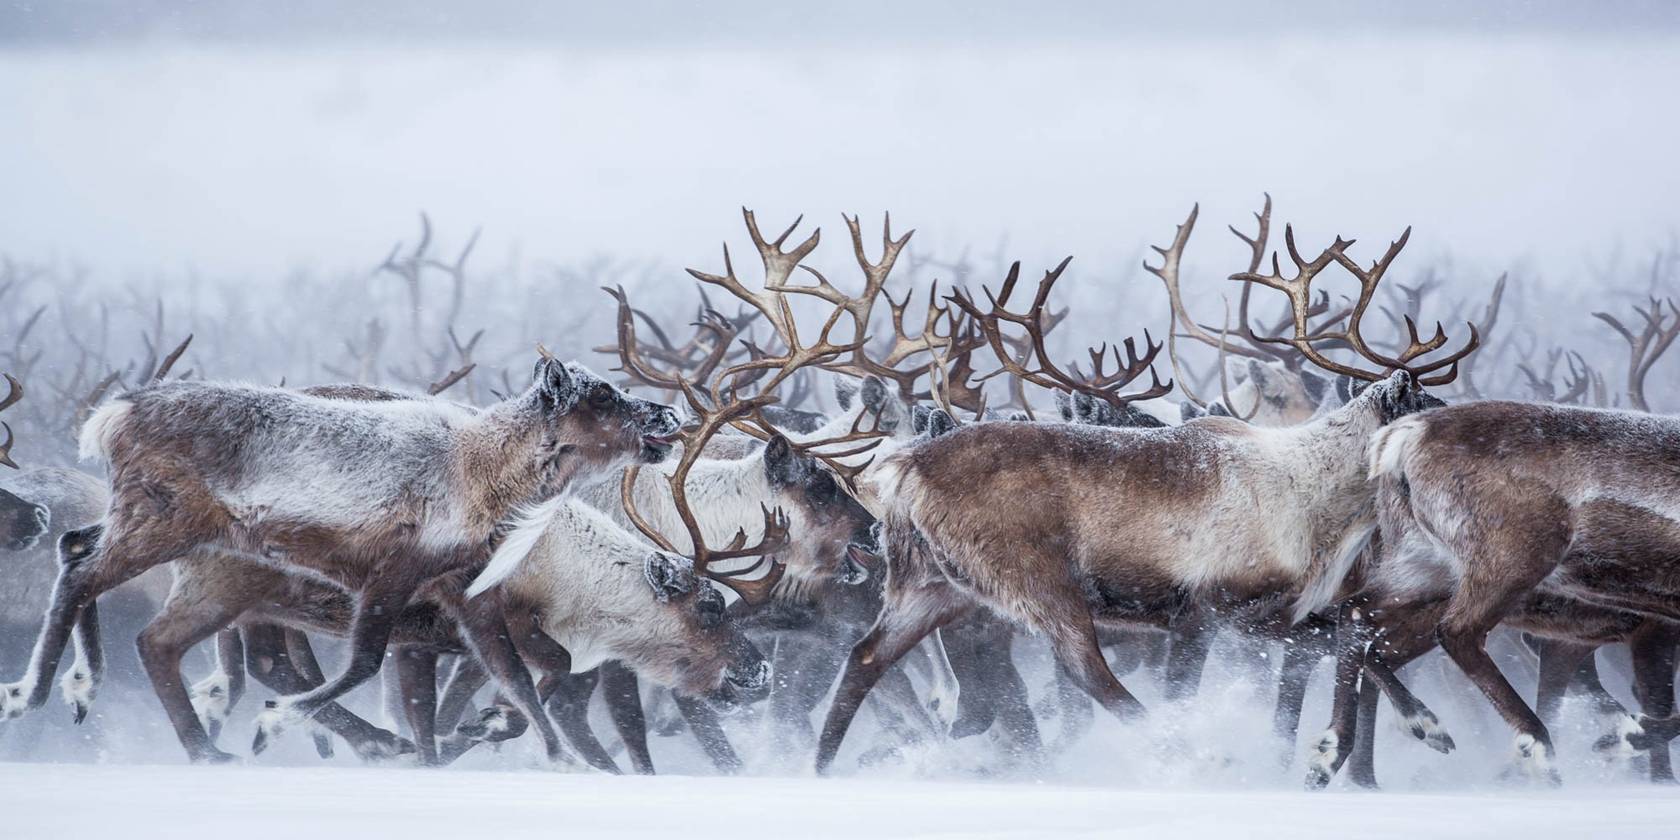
255,802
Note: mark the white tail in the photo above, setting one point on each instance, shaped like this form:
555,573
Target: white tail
99,430
1391,444
528,527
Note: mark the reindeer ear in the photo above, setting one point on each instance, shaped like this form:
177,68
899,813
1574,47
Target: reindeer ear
1264,382
844,393
940,423
1314,385
1188,411
558,385
784,466
1064,405
1347,388
1218,409
874,394
669,577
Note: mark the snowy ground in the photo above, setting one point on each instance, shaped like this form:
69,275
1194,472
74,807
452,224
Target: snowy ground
1203,769
254,803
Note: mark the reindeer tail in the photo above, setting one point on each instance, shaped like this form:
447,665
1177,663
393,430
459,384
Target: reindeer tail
529,525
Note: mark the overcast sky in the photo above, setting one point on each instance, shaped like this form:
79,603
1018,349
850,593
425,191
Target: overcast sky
231,137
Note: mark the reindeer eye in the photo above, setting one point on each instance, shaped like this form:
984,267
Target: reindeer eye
601,397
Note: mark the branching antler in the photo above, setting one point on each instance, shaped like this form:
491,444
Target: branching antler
1645,348
1102,385
14,392
1307,341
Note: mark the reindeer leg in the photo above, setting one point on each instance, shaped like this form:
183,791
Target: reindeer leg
417,676
1654,645
566,694
1187,657
1559,662
1301,652
369,742
1492,585
215,696
965,641
1014,712
911,611
485,628
90,564
282,659
703,721
184,622
624,703
465,681
1328,755
1076,649
377,609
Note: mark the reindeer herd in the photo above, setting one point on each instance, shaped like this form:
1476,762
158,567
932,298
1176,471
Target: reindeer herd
721,557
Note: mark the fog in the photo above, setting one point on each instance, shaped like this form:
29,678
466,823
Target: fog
250,149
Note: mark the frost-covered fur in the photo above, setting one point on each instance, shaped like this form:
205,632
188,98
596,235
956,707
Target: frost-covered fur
1058,526
1489,508
728,495
603,593
376,494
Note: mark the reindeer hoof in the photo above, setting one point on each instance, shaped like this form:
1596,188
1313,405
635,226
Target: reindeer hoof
1424,726
323,744
14,700
78,690
211,702
1321,762
495,724
383,747
1534,762
270,723
1625,740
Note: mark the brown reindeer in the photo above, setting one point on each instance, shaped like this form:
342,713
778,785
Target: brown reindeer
1433,586
379,498
1062,527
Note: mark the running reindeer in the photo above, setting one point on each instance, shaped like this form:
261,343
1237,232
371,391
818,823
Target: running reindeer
1062,527
416,489
1556,520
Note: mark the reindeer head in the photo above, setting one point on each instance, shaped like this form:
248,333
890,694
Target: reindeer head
1392,398
22,522
833,532
595,424
704,653
1282,397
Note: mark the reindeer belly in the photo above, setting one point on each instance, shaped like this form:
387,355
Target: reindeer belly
1622,556
1134,596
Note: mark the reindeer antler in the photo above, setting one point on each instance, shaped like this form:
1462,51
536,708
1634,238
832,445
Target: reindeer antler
14,392
1645,348
1304,339
1101,385
716,397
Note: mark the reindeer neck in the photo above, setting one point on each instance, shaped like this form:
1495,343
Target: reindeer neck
496,465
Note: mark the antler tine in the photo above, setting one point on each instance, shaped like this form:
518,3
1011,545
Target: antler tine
1047,375
14,392
1645,348
952,386
631,361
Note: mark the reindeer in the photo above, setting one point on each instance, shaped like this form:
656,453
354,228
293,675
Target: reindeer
1061,527
818,599
417,492
1607,536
